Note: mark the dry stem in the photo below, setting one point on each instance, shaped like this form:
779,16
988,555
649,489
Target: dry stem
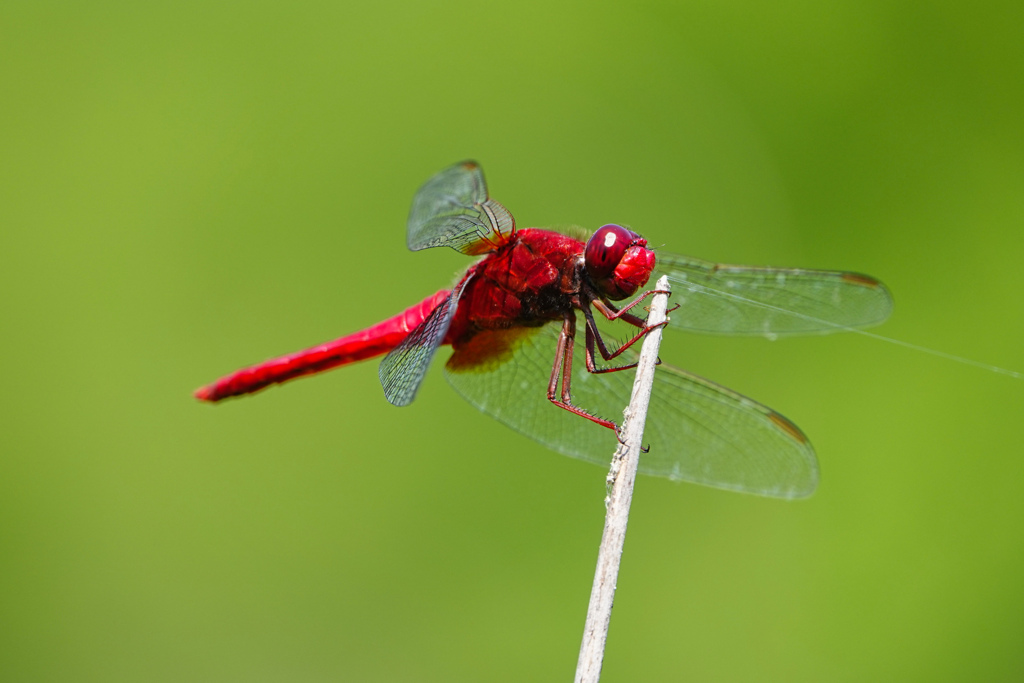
621,478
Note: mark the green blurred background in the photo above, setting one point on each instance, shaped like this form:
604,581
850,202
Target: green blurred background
187,188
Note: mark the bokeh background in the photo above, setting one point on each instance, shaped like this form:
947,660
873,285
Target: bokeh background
186,188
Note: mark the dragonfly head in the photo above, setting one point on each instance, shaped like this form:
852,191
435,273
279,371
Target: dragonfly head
618,261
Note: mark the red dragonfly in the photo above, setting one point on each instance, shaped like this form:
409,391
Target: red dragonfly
511,320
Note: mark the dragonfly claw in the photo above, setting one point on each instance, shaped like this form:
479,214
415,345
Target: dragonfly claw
618,435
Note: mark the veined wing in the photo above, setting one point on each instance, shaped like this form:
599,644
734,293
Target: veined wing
698,431
452,209
744,300
402,370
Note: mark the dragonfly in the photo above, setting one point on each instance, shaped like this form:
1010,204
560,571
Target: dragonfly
512,320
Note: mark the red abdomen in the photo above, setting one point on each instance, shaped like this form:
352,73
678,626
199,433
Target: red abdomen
373,341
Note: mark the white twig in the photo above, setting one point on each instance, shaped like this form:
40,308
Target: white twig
621,478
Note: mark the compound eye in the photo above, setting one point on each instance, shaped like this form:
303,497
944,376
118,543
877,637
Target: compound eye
606,248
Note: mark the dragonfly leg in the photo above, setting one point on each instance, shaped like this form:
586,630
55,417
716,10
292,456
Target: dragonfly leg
594,335
609,311
612,313
562,370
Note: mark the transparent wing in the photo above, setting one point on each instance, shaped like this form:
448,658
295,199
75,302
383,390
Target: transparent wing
698,431
452,210
402,370
744,300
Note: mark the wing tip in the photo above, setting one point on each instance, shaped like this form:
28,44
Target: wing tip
788,427
796,434
863,280
885,299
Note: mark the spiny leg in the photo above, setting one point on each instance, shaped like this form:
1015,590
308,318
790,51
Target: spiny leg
594,336
562,369
605,353
612,313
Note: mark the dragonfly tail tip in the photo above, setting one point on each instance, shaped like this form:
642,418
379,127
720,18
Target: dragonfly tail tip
206,393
